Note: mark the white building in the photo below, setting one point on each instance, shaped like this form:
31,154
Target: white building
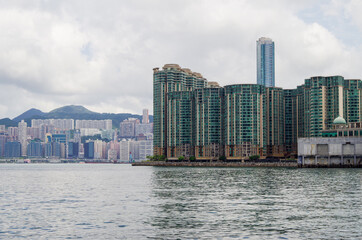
128,127
134,150
89,131
23,127
13,133
99,124
145,149
100,149
144,129
124,150
145,116
59,124
112,154
330,151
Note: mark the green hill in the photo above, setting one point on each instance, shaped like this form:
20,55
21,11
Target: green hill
75,112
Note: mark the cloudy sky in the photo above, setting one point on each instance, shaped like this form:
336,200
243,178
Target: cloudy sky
100,54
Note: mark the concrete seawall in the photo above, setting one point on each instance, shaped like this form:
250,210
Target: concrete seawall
216,164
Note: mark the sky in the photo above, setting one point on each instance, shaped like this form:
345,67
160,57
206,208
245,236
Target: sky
100,54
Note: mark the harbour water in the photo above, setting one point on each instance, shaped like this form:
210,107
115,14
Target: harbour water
95,201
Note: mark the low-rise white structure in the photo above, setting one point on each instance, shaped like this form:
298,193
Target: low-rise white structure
330,151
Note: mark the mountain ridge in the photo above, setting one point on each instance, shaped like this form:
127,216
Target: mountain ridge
76,112
28,114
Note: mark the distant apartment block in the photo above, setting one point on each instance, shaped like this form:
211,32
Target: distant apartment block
89,131
145,116
145,149
59,124
143,129
33,132
124,150
89,150
23,126
98,124
2,128
3,140
13,133
35,149
12,149
128,127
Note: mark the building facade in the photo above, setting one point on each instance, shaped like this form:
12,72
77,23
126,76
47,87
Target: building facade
22,126
171,78
265,62
193,118
12,149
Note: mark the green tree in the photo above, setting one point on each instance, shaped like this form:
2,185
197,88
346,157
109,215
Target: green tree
254,157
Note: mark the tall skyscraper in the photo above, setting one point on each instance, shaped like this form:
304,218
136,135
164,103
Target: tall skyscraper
265,62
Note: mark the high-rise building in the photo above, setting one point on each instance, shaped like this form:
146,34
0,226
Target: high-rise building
12,149
180,125
145,149
124,149
73,149
59,124
265,62
290,120
178,81
89,150
34,149
47,150
3,140
323,101
2,128
99,149
33,132
13,133
145,117
144,128
208,122
244,120
98,124
134,151
56,149
353,100
275,121
22,126
128,127
237,121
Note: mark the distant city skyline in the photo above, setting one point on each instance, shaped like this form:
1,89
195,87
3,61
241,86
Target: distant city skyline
100,55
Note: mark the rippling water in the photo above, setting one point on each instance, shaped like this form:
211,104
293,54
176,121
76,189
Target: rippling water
91,201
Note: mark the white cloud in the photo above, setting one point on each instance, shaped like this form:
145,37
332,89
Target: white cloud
101,54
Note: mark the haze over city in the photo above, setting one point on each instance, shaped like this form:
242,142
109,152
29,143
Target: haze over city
101,54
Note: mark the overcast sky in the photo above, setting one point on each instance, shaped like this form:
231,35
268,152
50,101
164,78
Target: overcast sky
100,54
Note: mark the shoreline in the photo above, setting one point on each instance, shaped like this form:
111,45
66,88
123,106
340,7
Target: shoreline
239,164
217,164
